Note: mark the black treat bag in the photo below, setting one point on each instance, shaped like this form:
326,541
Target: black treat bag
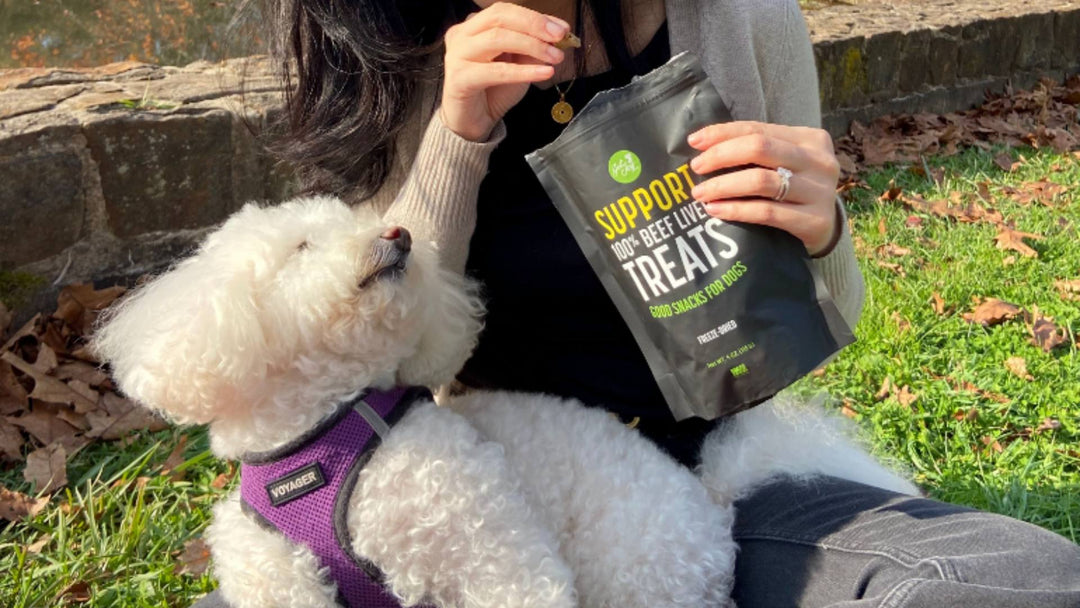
726,314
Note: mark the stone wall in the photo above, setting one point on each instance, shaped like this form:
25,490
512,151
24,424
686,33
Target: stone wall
877,58
113,171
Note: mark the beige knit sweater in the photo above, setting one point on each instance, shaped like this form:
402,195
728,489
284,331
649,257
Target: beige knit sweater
756,52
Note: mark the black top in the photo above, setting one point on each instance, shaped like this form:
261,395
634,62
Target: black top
550,325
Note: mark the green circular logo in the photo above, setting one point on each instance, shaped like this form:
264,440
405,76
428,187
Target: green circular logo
624,166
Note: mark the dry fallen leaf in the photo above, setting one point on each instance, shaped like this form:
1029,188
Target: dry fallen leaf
885,390
194,559
46,361
901,323
897,268
1045,333
76,593
992,444
992,311
970,415
174,460
79,305
9,385
15,505
890,249
49,389
1070,290
27,329
939,304
11,441
913,221
46,468
39,544
847,410
1009,239
90,375
44,425
1005,162
1048,424
906,397
1008,260
119,417
881,228
1018,366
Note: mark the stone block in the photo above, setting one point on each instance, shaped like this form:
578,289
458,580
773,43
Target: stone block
989,48
1066,55
165,172
943,56
1035,37
43,199
913,58
842,72
882,59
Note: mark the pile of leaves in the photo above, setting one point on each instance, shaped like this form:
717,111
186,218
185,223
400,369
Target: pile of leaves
55,398
1046,116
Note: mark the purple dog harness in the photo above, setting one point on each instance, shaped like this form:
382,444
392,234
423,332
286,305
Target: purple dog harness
302,489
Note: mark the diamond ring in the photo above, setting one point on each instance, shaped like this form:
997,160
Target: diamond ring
785,183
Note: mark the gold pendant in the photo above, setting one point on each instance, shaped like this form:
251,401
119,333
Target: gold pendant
562,112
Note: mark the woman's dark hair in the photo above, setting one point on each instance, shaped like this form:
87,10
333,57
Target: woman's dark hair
358,65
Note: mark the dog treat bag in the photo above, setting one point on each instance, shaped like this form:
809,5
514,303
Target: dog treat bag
726,314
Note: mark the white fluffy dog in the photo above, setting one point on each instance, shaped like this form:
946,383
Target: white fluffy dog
273,330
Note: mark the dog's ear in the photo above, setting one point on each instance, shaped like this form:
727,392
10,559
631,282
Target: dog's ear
189,343
454,312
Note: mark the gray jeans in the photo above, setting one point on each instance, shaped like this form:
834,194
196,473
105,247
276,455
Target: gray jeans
838,544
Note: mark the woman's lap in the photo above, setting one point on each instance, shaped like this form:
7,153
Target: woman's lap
829,542
833,543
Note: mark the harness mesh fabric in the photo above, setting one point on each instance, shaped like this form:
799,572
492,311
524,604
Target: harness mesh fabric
312,518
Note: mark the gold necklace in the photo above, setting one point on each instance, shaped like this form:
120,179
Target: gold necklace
562,111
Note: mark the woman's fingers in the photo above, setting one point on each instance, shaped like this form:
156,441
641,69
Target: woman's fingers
714,134
517,18
473,77
495,42
805,222
759,182
759,150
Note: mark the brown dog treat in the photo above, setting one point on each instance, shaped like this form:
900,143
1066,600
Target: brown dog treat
569,41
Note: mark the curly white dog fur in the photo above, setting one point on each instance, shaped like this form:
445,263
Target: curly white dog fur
524,501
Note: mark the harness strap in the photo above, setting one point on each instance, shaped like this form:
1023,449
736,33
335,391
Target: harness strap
302,489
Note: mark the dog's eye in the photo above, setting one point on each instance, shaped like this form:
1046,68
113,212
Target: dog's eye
302,246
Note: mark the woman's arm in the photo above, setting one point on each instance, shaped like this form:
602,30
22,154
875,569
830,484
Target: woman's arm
792,98
788,76
491,59
436,200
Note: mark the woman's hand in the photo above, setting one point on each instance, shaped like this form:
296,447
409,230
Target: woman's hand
491,58
807,211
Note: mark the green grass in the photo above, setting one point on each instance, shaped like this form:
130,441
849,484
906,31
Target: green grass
1036,478
118,527
121,536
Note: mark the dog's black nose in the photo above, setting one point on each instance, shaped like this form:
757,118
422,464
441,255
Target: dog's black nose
399,236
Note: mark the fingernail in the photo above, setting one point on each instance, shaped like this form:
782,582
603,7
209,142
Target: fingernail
696,192
557,27
555,54
694,138
695,164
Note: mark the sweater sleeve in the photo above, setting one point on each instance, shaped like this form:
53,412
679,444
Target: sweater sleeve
789,77
437,199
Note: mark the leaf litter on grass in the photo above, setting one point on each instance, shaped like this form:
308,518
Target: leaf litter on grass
1044,117
54,397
